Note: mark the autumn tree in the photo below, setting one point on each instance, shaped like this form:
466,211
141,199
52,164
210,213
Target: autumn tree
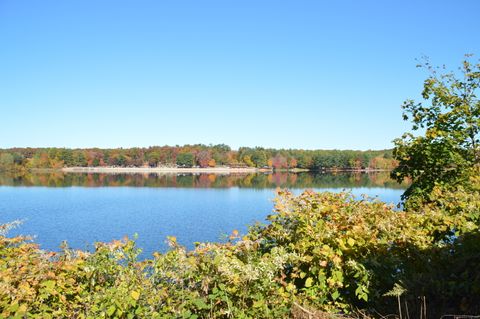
6,162
166,155
135,157
212,163
449,118
292,163
117,159
203,158
279,162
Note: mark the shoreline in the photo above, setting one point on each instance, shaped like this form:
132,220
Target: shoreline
198,170
161,170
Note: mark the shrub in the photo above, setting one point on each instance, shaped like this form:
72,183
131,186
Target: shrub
323,251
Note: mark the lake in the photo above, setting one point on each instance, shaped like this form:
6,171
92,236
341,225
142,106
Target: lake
84,208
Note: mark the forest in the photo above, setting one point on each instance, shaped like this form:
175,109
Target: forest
198,155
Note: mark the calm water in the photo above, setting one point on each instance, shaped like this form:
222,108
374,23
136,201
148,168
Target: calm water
84,208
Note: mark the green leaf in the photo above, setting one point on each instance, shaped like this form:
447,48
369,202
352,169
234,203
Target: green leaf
111,311
49,284
335,295
200,304
308,282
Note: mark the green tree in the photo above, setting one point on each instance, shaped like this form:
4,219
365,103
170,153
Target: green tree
304,161
259,158
449,116
66,156
185,159
153,158
79,159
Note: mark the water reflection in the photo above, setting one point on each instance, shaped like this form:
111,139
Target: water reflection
258,180
191,207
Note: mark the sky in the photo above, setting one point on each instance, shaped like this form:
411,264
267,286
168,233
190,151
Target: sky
272,73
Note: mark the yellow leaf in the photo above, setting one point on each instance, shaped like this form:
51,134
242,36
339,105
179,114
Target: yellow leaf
135,295
351,241
22,309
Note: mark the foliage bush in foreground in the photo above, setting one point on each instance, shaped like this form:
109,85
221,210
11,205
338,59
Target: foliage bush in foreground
319,251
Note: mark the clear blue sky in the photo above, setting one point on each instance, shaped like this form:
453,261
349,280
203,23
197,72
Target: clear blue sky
286,74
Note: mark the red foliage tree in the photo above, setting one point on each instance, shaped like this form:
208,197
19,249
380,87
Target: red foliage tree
203,158
279,162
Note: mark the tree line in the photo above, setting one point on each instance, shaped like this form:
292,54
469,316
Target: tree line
198,155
